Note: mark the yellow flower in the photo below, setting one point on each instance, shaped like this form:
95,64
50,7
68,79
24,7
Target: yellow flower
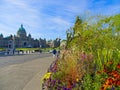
77,80
46,76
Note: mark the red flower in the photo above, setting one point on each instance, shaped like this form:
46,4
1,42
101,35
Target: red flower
105,70
109,81
69,86
103,88
118,65
118,82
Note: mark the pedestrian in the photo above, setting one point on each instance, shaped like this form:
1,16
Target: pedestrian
58,53
54,53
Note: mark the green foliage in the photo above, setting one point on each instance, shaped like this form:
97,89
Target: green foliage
2,49
101,38
91,45
26,49
99,34
43,49
87,82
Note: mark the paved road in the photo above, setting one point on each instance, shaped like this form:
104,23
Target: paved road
16,72
17,59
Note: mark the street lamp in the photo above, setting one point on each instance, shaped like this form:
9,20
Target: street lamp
40,45
59,42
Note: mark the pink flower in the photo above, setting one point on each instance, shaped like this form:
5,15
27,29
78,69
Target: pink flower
83,56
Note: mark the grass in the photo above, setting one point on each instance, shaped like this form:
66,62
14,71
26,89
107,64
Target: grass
2,49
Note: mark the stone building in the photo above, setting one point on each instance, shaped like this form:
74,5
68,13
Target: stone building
53,43
22,40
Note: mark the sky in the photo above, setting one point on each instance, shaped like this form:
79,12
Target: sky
49,18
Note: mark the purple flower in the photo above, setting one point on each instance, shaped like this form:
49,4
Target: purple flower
83,56
112,88
64,88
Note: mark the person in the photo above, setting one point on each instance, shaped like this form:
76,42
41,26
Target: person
54,53
58,53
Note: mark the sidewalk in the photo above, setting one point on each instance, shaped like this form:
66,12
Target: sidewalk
25,76
36,83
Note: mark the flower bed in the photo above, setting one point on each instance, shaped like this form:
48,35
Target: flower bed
91,60
78,72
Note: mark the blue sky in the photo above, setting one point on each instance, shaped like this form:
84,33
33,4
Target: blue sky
49,18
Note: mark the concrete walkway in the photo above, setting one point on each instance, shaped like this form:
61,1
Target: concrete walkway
36,83
26,76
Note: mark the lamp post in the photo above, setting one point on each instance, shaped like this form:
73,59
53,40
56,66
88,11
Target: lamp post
13,45
59,43
40,46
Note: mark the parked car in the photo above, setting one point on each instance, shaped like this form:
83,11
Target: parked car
50,51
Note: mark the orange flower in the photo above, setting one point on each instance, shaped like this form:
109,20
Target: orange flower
110,80
110,62
98,72
115,74
105,86
105,70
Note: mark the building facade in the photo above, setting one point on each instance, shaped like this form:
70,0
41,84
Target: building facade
22,40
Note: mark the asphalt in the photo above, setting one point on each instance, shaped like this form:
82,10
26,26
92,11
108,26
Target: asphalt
6,60
24,76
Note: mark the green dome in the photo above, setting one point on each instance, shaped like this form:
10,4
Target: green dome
21,32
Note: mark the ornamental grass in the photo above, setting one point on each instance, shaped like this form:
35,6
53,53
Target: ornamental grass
91,58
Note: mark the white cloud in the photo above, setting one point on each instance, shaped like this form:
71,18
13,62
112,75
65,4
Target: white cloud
59,21
17,3
46,17
18,12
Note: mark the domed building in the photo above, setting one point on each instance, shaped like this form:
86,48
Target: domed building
22,40
21,33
